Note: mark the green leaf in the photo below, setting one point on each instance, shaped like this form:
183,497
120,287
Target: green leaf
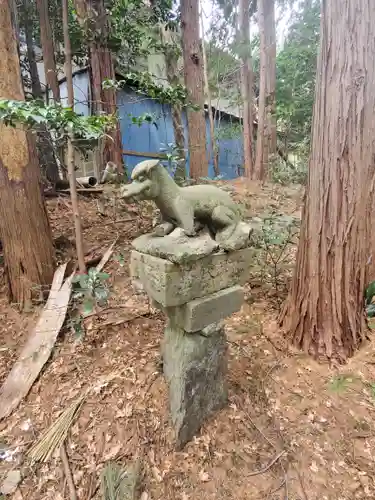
103,276
77,326
370,292
120,259
101,294
88,306
370,311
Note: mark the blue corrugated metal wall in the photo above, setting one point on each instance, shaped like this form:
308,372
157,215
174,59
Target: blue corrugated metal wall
150,138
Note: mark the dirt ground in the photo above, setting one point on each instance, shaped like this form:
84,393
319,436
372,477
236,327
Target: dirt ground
293,429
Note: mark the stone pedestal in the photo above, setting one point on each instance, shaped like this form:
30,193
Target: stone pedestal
196,286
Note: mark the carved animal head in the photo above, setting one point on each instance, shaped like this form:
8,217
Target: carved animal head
145,185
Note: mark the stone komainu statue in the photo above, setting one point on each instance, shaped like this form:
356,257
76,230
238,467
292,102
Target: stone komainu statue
190,208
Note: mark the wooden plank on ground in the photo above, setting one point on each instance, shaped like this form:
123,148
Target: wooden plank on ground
39,346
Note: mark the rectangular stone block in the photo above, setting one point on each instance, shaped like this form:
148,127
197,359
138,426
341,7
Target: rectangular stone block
195,367
199,313
172,285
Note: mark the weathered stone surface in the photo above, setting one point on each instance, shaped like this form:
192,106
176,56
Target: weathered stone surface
173,285
199,313
195,367
176,246
240,237
182,207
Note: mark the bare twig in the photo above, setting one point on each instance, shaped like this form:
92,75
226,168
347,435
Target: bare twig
259,430
267,467
301,483
68,473
107,310
121,321
275,490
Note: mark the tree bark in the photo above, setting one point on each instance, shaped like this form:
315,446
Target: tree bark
36,88
171,60
45,146
24,228
266,139
48,50
207,91
246,86
70,154
102,68
324,313
193,72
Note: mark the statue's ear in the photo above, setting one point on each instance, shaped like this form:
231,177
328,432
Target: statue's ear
149,165
144,168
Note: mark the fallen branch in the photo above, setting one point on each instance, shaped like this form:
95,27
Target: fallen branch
39,346
267,467
68,473
121,321
83,191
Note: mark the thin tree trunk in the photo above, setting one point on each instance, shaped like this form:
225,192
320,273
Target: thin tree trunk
324,313
266,139
193,72
270,23
171,60
246,86
71,171
209,100
45,147
102,68
48,50
24,228
36,88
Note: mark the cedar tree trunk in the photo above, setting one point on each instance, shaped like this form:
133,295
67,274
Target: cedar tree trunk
324,314
266,140
45,147
25,232
102,68
48,49
246,86
171,60
193,72
213,152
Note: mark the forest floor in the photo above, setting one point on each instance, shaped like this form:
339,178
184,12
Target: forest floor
280,399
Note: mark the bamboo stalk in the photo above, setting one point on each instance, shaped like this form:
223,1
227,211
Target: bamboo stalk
71,171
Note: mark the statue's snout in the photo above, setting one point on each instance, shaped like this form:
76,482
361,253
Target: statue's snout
135,190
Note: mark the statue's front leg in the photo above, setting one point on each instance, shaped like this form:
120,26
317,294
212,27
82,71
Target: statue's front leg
163,229
185,217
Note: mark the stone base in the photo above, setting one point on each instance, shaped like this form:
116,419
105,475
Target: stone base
198,313
195,366
172,285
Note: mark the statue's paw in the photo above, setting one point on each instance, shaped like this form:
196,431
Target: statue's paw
190,232
163,229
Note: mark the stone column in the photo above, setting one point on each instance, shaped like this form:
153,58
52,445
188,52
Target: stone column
196,286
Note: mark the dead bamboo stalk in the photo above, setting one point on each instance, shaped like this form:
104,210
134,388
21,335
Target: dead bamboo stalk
71,171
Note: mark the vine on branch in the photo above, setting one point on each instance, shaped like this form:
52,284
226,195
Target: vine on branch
143,83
